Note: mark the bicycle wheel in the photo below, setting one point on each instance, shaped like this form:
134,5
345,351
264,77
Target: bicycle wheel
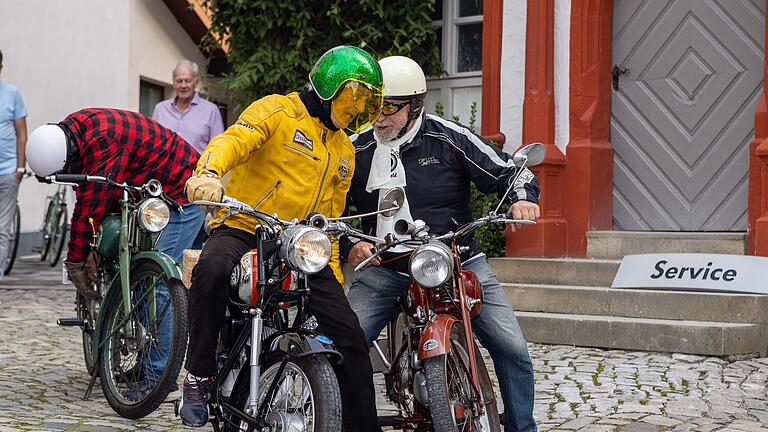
58,236
13,246
450,389
307,397
47,231
137,369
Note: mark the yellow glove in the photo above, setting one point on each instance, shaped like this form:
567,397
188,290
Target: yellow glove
204,185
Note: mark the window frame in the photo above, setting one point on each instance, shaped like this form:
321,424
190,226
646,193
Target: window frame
452,79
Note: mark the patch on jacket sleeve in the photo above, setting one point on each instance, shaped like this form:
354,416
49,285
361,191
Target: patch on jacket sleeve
344,168
524,178
300,138
245,125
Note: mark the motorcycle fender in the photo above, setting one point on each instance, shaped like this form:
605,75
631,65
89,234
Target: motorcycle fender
436,337
168,264
303,345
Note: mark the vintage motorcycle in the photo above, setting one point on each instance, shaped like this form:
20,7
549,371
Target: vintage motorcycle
434,372
274,368
141,293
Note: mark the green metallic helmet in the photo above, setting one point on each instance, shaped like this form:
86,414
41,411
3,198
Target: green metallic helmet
352,81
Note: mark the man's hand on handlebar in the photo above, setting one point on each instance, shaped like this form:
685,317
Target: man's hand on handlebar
523,210
361,251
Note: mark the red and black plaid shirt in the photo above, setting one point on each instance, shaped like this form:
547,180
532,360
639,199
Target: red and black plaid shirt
130,147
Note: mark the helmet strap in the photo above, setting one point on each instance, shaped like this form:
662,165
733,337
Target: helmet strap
415,107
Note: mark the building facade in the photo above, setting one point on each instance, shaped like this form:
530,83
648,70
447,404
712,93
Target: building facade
64,56
653,114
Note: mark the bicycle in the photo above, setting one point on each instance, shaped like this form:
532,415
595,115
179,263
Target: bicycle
13,245
55,226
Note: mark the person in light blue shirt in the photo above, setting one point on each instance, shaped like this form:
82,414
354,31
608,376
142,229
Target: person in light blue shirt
13,138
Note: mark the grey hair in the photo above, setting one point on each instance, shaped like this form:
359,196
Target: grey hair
190,64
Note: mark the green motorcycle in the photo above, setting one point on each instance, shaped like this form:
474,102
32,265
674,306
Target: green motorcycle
135,338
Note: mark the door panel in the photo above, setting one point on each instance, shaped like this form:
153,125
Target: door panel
683,116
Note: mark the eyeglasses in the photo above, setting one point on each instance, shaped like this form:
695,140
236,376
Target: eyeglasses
390,108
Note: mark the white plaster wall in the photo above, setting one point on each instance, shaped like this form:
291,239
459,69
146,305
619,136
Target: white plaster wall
157,43
562,71
513,72
63,56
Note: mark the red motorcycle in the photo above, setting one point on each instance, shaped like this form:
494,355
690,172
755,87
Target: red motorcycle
434,372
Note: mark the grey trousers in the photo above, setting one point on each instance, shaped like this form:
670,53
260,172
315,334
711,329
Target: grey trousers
9,189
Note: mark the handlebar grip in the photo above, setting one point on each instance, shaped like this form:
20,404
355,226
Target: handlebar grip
70,178
43,179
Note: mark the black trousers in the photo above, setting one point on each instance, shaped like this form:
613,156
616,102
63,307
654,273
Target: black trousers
329,305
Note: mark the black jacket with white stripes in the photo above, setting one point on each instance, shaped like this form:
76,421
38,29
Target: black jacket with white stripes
439,163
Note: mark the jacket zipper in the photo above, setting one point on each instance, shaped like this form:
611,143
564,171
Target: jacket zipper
301,151
325,172
267,194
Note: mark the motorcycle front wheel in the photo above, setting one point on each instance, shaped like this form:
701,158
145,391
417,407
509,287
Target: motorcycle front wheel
138,368
450,389
307,397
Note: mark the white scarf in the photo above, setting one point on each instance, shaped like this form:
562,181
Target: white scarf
386,170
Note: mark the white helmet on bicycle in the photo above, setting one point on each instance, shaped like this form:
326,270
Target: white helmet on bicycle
47,150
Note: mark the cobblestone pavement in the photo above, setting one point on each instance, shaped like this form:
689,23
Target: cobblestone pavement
42,378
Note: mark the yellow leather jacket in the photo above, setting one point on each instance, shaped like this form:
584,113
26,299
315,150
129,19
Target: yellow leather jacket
283,161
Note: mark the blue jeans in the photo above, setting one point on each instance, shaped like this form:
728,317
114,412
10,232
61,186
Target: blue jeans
373,298
180,234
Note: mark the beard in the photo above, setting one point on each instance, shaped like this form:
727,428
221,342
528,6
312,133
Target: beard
387,133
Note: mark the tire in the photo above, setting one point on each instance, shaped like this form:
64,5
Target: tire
83,308
315,371
449,387
118,357
58,236
50,214
13,247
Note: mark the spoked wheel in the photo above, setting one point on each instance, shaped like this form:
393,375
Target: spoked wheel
49,225
13,246
307,397
58,236
138,366
450,389
88,311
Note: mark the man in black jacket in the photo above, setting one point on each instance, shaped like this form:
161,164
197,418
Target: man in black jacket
433,161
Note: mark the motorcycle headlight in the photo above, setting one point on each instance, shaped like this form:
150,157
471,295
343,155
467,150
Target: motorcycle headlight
431,265
305,248
153,214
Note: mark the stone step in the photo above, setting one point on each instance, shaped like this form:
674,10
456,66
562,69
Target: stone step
680,336
556,271
616,244
636,303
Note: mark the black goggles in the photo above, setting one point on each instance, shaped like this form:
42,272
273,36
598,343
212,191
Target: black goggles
390,108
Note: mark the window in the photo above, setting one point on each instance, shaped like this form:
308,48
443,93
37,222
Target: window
149,95
460,37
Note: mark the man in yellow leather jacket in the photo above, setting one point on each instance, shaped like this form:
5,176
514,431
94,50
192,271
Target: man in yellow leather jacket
287,155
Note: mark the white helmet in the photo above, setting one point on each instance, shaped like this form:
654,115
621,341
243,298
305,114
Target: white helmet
47,150
403,78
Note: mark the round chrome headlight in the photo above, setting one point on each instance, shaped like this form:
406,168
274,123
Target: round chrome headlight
153,215
305,248
431,265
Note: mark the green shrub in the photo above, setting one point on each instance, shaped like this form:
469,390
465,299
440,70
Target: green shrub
273,43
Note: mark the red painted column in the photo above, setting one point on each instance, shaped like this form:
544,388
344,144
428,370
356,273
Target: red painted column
757,217
589,174
548,236
493,13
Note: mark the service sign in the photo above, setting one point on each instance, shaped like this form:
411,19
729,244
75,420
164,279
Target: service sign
696,272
